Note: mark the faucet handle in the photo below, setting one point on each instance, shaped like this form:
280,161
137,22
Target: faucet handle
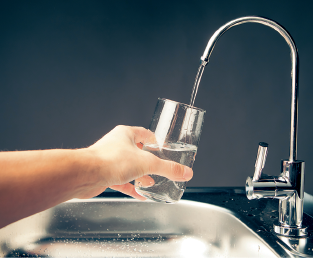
260,160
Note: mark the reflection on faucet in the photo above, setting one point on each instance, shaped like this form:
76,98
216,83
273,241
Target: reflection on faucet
300,245
289,186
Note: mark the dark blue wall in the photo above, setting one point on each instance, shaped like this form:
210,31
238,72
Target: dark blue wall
72,70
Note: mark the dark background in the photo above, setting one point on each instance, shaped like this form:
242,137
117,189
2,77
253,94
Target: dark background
72,70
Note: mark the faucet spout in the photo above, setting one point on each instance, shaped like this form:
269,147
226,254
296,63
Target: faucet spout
294,67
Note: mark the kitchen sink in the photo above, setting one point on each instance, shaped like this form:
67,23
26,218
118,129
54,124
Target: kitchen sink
206,223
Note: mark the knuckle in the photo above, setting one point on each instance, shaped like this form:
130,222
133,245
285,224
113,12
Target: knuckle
153,163
119,127
177,170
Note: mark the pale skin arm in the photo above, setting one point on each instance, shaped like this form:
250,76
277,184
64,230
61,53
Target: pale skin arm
32,181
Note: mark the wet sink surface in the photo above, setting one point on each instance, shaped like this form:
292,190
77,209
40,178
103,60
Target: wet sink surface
123,227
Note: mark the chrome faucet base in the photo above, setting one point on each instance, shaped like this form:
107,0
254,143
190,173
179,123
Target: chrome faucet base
290,231
288,188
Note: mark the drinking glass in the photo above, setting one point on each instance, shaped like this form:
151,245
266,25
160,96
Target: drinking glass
177,128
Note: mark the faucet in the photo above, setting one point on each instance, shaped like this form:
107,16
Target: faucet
288,187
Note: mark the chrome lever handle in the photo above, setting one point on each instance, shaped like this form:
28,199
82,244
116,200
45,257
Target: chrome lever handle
260,160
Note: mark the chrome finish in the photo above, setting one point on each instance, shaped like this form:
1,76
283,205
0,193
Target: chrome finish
290,231
260,160
288,187
294,67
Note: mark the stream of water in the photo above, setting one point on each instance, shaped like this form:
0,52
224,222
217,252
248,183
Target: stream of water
196,85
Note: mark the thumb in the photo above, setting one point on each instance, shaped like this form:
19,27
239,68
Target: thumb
169,169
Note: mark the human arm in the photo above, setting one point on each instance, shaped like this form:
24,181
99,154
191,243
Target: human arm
32,181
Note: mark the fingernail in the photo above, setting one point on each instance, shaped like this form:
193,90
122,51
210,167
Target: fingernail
187,173
150,183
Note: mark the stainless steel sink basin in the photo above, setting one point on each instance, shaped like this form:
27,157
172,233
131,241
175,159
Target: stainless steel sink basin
124,227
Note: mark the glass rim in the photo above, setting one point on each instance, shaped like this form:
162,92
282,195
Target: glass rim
183,104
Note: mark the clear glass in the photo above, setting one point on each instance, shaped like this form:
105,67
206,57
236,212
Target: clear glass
177,128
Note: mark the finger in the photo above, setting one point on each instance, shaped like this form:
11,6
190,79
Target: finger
143,135
128,189
169,169
144,181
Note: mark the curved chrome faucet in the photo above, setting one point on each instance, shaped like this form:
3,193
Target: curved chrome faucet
289,186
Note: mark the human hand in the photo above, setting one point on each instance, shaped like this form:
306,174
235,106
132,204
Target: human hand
118,159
